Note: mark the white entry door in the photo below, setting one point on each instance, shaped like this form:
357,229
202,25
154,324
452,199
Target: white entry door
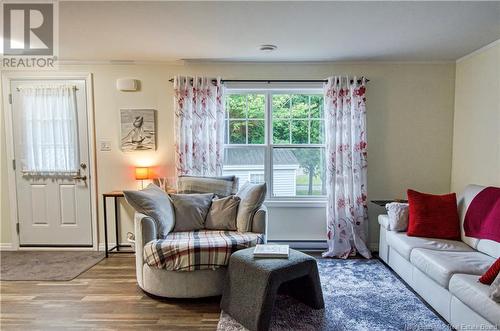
51,147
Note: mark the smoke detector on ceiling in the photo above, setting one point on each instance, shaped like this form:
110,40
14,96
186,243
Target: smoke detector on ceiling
268,48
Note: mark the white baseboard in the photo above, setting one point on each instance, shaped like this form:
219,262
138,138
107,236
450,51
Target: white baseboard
373,247
101,245
9,247
314,244
6,247
302,245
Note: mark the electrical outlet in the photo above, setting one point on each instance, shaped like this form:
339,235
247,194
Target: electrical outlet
105,145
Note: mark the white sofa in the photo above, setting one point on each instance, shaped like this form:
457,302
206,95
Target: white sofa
446,272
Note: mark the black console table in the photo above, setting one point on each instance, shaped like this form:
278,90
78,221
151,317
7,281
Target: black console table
115,195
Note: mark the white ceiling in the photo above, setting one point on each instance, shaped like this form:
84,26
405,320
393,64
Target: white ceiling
303,31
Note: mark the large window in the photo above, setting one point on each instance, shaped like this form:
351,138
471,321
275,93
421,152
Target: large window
276,137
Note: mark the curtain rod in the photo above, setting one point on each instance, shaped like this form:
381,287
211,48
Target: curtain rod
273,80
19,88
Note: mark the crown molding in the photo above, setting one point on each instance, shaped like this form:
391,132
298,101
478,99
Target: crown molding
119,62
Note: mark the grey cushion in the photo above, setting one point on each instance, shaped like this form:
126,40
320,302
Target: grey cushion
221,186
252,196
222,214
155,203
191,210
495,289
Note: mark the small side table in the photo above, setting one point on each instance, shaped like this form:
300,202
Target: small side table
115,195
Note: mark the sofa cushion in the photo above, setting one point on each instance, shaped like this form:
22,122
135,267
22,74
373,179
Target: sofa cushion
252,196
442,265
483,215
490,247
433,216
476,296
463,204
383,220
197,250
221,186
191,210
404,244
222,214
155,203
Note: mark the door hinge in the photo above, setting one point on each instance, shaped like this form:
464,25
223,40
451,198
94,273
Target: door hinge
10,98
14,164
17,228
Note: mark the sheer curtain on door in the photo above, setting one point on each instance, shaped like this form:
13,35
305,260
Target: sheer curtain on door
199,126
49,130
345,131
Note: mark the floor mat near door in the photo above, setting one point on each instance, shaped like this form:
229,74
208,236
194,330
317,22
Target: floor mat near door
36,265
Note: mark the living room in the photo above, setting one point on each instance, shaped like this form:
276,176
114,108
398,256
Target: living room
84,228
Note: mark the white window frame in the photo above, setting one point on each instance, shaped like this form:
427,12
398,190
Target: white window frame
302,200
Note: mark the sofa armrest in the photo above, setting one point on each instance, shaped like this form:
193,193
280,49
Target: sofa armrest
383,220
145,229
259,221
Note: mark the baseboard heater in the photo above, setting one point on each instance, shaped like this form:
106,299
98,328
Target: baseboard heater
310,245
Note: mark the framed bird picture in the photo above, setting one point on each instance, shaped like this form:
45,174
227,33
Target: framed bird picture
138,130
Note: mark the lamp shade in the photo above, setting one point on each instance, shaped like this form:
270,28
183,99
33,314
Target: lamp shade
141,173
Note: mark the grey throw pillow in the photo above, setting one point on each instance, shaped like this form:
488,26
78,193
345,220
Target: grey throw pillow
252,196
221,186
222,214
495,289
191,210
154,202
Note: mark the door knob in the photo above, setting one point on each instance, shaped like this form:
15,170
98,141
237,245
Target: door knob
83,165
80,177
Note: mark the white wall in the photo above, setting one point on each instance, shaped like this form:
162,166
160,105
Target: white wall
476,134
410,117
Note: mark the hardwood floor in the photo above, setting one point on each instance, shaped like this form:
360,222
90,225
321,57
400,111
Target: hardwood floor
106,297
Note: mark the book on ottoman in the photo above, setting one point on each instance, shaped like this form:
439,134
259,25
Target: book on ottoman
271,251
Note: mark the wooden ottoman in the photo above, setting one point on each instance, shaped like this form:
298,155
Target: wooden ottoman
253,283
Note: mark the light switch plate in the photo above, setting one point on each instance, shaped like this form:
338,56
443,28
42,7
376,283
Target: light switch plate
105,145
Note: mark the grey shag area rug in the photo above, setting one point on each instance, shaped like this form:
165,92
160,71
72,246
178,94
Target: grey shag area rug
359,295
53,265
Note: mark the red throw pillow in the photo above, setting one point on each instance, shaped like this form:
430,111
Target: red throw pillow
490,274
433,216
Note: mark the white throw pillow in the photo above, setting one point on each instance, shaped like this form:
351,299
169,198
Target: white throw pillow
398,216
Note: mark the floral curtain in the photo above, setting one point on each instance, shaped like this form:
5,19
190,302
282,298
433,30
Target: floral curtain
345,131
49,130
199,126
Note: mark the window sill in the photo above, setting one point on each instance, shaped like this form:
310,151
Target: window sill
296,203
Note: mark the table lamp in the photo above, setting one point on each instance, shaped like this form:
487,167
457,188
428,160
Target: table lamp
141,173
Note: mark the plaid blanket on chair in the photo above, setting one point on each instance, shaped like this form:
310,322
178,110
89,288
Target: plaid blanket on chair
197,250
